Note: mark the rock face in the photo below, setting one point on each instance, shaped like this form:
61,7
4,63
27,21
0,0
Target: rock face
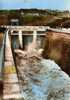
41,79
57,48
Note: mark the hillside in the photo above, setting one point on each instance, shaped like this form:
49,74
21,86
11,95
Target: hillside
53,18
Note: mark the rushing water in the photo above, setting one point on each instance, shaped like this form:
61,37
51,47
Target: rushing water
20,39
27,41
33,45
34,36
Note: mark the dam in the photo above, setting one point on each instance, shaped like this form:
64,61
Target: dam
32,77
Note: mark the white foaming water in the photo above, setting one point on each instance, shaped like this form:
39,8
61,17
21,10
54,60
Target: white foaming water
32,46
48,83
20,39
34,36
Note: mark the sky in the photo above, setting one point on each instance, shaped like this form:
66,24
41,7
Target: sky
41,4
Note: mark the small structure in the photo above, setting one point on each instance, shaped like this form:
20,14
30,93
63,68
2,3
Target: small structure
14,22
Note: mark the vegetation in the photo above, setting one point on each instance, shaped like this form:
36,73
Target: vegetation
35,17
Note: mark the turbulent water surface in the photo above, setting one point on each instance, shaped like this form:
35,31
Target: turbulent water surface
41,79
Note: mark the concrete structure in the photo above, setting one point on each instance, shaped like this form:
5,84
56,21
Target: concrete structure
26,29
11,88
49,72
27,33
